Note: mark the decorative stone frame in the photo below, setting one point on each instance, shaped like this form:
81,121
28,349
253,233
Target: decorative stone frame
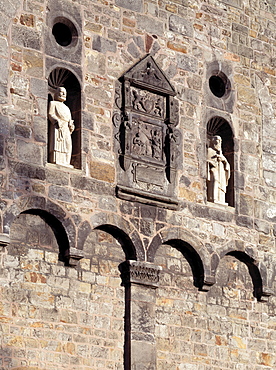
70,16
145,120
221,71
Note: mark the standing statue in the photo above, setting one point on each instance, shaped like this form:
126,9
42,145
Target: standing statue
60,146
218,172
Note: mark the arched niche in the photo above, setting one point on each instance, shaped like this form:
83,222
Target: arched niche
238,277
253,272
61,77
123,239
170,255
218,126
40,228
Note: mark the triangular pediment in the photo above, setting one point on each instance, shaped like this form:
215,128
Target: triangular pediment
147,74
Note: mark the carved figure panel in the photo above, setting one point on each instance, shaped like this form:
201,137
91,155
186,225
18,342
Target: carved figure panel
145,120
147,102
147,141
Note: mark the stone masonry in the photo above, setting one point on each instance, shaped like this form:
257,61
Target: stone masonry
119,261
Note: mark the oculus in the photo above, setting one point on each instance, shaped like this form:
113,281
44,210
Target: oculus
64,32
219,84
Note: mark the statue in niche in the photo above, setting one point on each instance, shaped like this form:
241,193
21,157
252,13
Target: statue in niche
63,126
218,172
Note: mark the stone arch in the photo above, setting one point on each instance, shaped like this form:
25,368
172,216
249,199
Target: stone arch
256,271
200,258
60,223
122,231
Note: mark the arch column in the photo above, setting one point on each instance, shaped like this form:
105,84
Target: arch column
140,280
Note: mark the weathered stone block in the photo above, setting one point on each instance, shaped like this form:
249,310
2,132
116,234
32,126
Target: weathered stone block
4,68
187,63
23,131
181,25
26,37
150,25
246,205
188,95
29,152
133,50
27,170
40,129
57,177
33,63
103,45
60,193
102,171
136,6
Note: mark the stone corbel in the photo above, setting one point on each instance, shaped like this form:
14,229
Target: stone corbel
4,240
266,293
143,273
74,256
208,282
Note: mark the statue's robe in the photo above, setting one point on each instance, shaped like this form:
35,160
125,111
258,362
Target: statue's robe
61,143
218,174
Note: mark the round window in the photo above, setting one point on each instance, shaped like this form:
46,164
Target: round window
219,84
64,32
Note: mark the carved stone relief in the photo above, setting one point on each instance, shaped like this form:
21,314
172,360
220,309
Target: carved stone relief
143,273
145,120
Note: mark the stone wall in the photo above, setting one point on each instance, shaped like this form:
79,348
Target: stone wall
197,279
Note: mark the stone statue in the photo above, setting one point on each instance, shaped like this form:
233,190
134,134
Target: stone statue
60,145
218,172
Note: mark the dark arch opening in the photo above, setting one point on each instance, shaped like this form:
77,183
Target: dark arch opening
219,126
61,77
193,259
58,230
253,272
123,239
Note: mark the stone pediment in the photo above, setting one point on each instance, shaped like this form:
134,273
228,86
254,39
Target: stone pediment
147,74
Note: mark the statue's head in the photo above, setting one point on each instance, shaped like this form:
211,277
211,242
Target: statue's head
216,142
60,94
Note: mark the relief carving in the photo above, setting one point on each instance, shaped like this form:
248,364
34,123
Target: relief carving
139,273
147,141
147,102
145,117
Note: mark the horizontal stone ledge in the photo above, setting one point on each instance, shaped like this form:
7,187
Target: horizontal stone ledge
4,240
136,195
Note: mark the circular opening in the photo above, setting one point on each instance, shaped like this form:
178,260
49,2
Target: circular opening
62,34
217,86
